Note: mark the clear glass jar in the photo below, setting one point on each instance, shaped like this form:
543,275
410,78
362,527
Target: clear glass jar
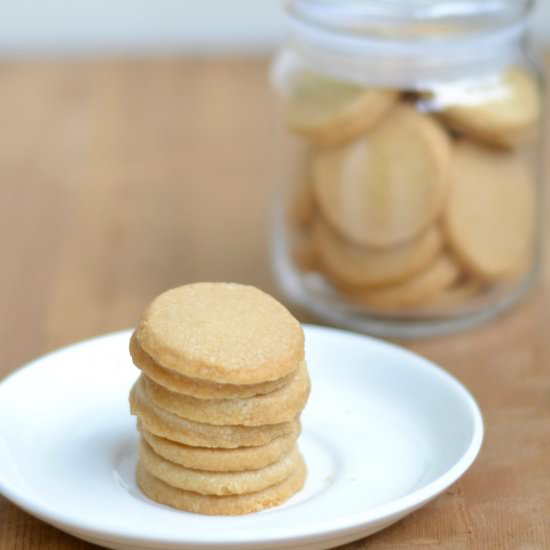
410,170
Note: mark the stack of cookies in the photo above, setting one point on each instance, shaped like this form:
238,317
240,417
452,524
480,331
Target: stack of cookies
410,200
218,402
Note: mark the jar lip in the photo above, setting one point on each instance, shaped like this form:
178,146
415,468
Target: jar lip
410,19
384,55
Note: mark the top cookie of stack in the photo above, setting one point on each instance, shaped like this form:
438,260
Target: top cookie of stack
223,383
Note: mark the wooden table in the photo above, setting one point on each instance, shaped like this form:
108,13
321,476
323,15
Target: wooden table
119,180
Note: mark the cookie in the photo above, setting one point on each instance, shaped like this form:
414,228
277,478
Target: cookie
303,208
328,112
523,266
217,483
455,295
304,252
201,389
350,265
491,210
230,505
441,274
221,460
197,434
389,186
282,405
222,332
503,111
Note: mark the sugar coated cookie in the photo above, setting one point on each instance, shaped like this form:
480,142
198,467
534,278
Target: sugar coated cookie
303,207
198,434
221,505
221,460
389,186
222,332
441,274
455,295
501,111
304,252
282,405
328,111
350,265
490,216
218,483
201,389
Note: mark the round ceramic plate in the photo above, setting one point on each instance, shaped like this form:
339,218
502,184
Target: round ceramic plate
384,432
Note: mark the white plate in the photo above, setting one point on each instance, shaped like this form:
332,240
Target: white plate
384,432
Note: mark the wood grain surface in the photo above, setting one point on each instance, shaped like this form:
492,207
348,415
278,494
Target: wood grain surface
122,179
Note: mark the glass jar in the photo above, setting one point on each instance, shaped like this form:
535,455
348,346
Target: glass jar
410,169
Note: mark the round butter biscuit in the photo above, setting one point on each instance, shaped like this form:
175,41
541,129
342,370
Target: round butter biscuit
504,111
304,253
455,295
490,215
387,187
329,112
349,265
282,405
230,505
222,332
201,389
221,460
217,483
303,209
441,274
197,434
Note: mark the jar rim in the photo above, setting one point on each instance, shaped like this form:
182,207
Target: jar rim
406,19
384,51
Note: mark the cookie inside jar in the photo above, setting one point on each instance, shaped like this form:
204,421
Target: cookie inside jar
383,215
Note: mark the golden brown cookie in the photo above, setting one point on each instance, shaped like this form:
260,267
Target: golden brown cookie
328,112
230,505
218,483
423,286
222,332
303,207
201,389
349,265
221,460
304,252
491,210
503,111
282,405
456,295
524,264
386,188
197,434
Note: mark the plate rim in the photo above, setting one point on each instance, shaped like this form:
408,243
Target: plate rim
353,522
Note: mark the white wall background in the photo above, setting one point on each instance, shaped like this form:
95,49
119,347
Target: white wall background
91,27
